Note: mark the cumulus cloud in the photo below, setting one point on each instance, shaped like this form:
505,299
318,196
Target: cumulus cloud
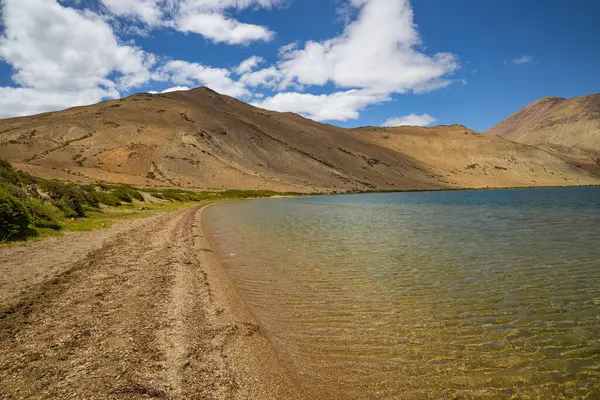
248,65
148,11
20,101
220,29
522,60
379,50
194,74
378,54
65,56
410,120
171,89
269,77
175,89
208,18
340,106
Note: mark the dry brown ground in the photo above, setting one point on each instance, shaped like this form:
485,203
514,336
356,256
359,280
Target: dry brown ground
139,310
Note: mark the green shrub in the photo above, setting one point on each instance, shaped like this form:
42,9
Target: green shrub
108,199
14,218
171,195
43,214
96,197
8,174
180,195
127,194
92,196
15,191
67,195
64,205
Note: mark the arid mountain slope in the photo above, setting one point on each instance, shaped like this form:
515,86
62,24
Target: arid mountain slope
199,138
465,158
564,125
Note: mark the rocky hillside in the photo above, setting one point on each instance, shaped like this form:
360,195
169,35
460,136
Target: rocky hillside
464,158
564,125
202,139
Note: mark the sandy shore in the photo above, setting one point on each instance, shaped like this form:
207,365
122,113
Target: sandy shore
138,310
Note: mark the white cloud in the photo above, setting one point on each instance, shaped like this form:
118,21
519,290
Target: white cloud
220,29
194,74
64,57
175,89
522,60
148,11
225,4
171,89
340,106
379,51
208,18
27,101
55,47
269,77
287,49
378,54
248,65
410,120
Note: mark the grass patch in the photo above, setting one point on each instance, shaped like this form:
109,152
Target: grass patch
107,217
33,208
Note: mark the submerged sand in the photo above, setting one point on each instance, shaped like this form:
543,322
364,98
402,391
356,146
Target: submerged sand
139,310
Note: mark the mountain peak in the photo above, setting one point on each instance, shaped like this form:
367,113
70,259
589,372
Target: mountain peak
566,125
554,99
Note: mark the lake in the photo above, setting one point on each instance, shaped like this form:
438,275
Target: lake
455,294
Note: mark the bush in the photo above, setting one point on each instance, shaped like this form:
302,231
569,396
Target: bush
90,194
43,214
8,174
127,194
64,205
244,194
108,199
172,194
67,196
14,218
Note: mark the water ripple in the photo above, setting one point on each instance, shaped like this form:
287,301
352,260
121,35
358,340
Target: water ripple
425,295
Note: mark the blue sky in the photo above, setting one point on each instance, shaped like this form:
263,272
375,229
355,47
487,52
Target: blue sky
347,62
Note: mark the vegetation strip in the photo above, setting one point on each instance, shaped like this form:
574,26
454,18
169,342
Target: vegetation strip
33,207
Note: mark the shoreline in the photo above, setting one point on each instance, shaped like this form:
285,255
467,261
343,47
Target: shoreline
262,373
141,309
459,189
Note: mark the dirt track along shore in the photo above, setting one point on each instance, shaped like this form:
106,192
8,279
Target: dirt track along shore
138,310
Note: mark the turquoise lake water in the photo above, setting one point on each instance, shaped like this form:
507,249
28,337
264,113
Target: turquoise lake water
459,294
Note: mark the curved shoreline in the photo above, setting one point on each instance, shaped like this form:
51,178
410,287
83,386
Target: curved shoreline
260,371
141,309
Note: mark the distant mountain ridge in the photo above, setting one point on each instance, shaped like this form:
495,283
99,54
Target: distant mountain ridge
564,125
199,138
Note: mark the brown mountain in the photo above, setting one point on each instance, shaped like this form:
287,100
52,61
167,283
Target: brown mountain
566,125
199,138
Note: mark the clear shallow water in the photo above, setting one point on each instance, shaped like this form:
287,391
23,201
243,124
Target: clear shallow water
463,294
